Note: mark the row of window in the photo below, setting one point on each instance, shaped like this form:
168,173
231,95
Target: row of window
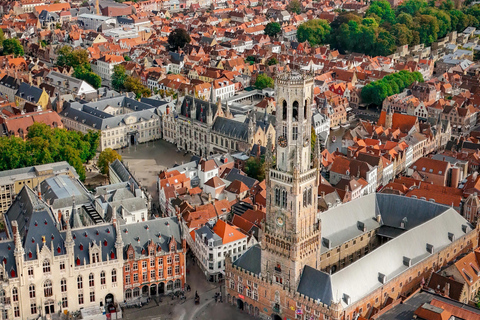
152,275
47,286
152,262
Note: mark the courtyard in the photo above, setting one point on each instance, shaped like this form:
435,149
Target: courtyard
146,160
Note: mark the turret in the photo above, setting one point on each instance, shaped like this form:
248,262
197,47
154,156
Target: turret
209,114
118,240
193,109
19,253
389,118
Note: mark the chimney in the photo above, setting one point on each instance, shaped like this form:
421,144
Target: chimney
39,194
209,197
446,290
255,207
323,194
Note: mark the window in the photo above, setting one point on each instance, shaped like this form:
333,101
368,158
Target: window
144,277
144,264
80,298
16,311
92,296
160,273
177,269
152,274
177,258
295,133
64,302
135,277
31,290
169,271
135,266
62,265
79,282
63,285
46,266
114,276
14,294
169,260
102,277
30,271
33,308
91,280
152,263
127,268
47,288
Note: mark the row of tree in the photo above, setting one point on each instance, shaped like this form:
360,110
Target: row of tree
375,92
78,59
46,145
383,29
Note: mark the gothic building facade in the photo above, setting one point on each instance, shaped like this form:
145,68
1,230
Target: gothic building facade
205,128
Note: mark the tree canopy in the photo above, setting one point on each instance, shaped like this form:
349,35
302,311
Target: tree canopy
255,168
12,46
135,85
263,81
314,31
78,59
375,92
294,6
106,157
45,145
178,38
413,22
272,29
118,77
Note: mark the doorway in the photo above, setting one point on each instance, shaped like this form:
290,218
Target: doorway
132,139
161,288
239,304
49,307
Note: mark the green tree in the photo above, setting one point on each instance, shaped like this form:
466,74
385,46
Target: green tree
127,58
134,85
12,46
294,6
178,38
263,81
84,72
255,168
427,28
382,9
272,61
250,59
272,29
411,6
105,158
314,31
2,36
118,78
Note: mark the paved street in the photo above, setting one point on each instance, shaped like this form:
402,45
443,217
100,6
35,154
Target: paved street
170,309
148,159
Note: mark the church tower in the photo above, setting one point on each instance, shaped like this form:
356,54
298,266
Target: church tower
291,232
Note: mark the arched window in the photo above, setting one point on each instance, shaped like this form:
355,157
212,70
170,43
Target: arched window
295,111
91,280
284,198
46,266
31,290
47,288
284,110
277,196
114,276
63,285
79,282
2,296
102,277
136,292
305,109
178,284
14,294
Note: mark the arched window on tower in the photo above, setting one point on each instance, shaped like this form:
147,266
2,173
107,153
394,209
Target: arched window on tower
305,109
284,198
277,196
295,111
284,110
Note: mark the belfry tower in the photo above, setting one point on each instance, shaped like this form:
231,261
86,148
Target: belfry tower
291,232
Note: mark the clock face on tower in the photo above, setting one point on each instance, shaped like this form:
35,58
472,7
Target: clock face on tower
280,220
282,141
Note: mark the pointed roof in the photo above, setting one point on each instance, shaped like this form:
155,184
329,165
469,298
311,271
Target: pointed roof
227,232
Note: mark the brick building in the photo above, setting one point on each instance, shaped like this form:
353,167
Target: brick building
299,270
154,258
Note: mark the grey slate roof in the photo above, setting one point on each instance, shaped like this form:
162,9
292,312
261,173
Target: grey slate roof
104,235
231,128
250,260
433,226
92,114
29,93
234,174
123,173
201,108
160,231
9,82
209,235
